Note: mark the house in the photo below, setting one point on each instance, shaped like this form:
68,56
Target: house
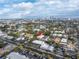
57,40
52,32
56,34
45,38
8,37
21,29
42,27
20,38
47,47
39,35
64,41
38,42
2,34
51,48
16,55
71,50
43,45
65,35
60,32
36,29
28,35
70,46
22,34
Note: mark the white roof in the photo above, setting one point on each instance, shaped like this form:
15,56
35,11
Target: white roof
45,38
44,46
36,29
21,29
22,34
59,31
42,27
20,38
9,37
64,40
51,48
2,34
57,35
15,55
0,31
38,42
47,47
65,35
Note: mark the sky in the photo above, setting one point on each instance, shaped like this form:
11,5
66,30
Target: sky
38,8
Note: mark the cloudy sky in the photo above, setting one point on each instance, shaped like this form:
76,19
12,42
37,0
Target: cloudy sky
42,8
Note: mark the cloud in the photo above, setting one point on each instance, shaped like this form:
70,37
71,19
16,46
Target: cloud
41,8
23,5
2,1
3,11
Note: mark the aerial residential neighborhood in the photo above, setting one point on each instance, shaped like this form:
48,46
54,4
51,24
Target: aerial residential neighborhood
39,39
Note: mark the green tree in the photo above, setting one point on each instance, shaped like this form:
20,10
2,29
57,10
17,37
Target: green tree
2,44
47,33
14,34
